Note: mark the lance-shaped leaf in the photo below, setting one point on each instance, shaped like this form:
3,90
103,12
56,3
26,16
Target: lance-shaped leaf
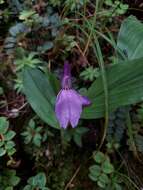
40,95
125,86
130,38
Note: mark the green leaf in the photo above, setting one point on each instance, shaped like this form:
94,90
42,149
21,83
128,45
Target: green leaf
31,123
95,170
130,38
39,93
107,167
27,187
118,187
125,87
93,177
1,143
99,157
25,14
55,83
9,145
11,151
9,135
104,178
101,184
9,188
14,180
3,125
2,152
37,139
78,139
1,90
45,188
41,180
81,130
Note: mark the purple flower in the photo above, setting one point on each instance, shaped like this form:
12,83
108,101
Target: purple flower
69,102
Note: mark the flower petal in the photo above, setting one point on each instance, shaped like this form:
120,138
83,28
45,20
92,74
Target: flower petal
62,109
85,101
69,107
75,107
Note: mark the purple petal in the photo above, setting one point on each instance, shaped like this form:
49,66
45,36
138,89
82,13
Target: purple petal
75,107
69,107
61,109
85,101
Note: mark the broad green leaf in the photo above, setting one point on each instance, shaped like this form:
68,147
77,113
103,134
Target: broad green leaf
130,38
55,83
125,87
40,93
